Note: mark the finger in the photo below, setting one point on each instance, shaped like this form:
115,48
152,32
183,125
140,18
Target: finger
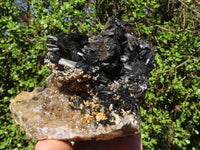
53,145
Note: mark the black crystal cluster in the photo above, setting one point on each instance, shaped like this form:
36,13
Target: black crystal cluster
111,68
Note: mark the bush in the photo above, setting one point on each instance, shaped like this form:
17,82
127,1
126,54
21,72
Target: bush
171,110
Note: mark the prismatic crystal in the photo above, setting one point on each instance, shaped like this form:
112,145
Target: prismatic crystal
94,89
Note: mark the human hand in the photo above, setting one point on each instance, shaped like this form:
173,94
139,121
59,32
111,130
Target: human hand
123,143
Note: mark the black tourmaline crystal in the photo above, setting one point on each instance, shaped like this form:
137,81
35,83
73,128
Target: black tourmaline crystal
95,88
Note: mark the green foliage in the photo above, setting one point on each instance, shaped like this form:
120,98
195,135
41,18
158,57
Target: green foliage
171,110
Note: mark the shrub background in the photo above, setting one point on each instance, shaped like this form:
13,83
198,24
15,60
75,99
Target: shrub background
171,110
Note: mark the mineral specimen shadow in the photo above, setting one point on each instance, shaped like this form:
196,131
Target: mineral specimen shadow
94,89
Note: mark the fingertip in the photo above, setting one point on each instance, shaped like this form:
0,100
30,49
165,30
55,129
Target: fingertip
53,145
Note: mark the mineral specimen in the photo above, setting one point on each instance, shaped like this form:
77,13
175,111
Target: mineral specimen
94,90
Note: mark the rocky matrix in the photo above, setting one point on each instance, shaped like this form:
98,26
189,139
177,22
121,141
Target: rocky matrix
94,90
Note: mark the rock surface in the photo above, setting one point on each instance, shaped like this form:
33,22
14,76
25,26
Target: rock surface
94,90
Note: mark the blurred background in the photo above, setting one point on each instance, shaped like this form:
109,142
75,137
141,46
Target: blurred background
170,114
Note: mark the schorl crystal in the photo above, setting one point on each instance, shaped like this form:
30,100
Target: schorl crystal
95,87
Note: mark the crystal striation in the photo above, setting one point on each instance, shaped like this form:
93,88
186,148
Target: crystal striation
95,87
